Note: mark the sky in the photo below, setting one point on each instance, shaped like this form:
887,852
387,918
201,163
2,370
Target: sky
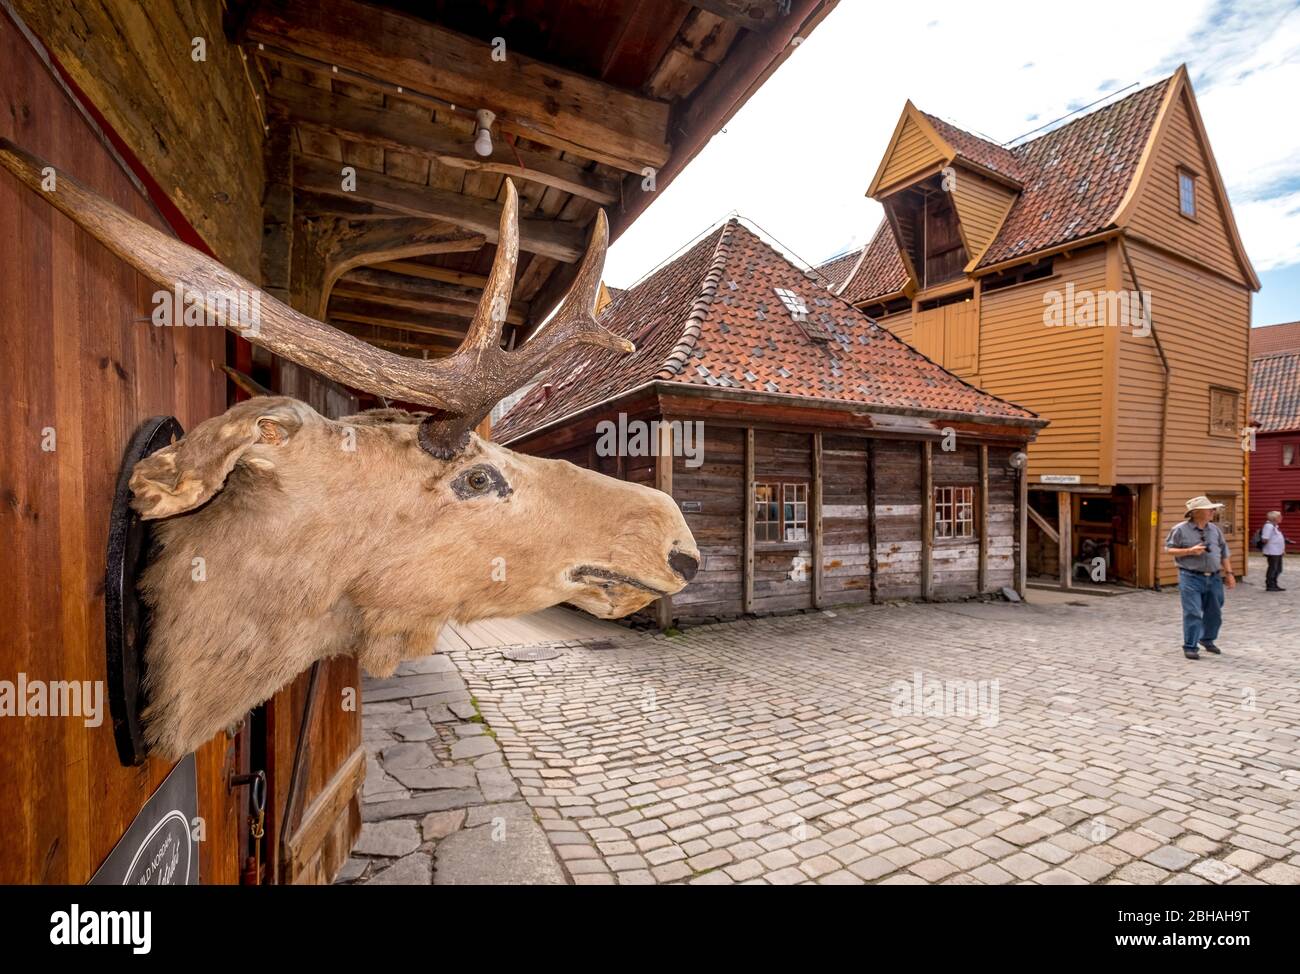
797,159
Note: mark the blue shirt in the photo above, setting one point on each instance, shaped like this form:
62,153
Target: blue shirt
1188,535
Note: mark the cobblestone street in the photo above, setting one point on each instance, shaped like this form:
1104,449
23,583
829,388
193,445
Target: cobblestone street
1081,748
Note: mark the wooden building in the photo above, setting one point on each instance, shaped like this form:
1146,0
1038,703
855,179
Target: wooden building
323,150
1022,268
1275,415
818,460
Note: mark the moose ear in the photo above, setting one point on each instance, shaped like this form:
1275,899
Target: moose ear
186,474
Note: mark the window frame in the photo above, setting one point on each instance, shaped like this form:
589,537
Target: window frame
954,506
1191,177
780,487
1211,430
1295,455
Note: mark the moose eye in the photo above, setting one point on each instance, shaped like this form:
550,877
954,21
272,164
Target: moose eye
478,481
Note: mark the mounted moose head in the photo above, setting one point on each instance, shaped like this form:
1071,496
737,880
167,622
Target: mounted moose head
364,535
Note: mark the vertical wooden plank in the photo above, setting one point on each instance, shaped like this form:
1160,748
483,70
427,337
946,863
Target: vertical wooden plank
873,562
664,482
1064,528
983,501
1022,530
815,513
927,517
748,567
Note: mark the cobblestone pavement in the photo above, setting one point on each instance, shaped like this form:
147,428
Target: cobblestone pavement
439,805
957,743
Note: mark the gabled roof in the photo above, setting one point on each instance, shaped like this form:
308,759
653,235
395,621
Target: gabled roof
712,318
1275,392
1073,180
1275,338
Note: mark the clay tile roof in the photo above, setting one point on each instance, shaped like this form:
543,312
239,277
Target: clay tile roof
1073,179
712,317
835,271
1275,338
1275,392
882,271
980,151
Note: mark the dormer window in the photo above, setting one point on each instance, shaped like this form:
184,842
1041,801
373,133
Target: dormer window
1187,193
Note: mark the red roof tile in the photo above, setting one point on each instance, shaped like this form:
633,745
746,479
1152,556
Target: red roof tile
837,270
1275,338
1073,179
1275,391
713,318
882,271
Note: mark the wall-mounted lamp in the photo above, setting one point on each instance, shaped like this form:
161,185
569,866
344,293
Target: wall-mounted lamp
483,131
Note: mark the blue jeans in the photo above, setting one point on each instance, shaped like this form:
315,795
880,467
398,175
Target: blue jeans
1202,597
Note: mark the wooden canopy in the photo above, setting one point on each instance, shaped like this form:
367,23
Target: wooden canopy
388,216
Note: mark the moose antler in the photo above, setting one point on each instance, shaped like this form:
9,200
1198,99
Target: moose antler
462,388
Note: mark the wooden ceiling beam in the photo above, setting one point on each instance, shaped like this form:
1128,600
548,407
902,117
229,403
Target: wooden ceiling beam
754,14
359,313
543,102
562,241
392,298
430,273
402,286
357,121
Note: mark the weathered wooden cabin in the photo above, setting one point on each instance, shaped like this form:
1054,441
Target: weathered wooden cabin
818,460
325,151
1021,269
1275,417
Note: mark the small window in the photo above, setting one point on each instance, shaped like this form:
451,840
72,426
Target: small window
1291,507
793,303
1186,193
1224,411
1288,454
954,512
1226,516
781,512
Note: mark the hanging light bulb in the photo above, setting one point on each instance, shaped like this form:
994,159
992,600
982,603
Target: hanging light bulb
483,133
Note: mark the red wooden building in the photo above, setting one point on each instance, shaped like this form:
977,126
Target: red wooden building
1275,411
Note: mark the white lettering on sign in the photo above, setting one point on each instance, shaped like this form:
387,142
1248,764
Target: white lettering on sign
1060,478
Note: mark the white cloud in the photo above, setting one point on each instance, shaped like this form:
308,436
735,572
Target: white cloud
797,159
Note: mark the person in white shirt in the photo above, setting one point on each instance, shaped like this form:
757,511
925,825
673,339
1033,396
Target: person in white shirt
1274,550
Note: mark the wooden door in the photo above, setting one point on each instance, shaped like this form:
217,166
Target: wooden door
961,337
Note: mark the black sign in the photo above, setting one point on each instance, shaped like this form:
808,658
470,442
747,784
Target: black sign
159,849
692,507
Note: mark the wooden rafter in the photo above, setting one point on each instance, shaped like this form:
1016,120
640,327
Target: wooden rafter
545,103
351,119
563,241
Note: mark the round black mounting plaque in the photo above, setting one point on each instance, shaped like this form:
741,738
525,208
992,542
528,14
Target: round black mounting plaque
125,616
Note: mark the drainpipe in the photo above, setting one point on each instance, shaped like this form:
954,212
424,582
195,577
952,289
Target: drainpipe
1158,500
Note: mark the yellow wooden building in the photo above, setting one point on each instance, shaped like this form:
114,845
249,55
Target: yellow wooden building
1093,274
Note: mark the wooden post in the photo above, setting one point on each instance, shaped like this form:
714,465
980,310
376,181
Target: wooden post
1064,530
927,517
747,567
1022,530
983,501
664,482
815,516
873,563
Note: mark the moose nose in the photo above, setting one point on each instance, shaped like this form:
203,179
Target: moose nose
683,564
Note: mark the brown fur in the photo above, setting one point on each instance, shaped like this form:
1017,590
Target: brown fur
311,550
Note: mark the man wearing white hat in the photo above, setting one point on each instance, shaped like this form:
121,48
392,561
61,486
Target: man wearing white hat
1204,567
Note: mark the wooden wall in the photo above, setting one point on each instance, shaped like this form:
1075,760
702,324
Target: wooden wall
718,484
75,358
196,126
898,519
913,152
1058,372
981,205
846,543
1271,484
1203,323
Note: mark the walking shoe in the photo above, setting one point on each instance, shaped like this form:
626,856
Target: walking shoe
1191,654
1210,647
